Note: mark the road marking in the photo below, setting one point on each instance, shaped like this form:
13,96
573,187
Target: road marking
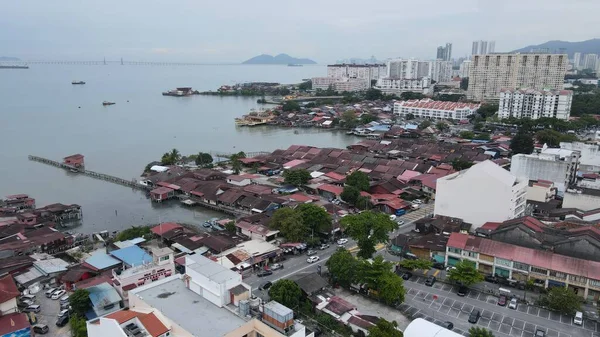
297,271
436,272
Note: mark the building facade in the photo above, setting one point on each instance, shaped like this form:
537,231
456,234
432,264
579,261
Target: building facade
408,68
590,61
441,71
464,68
444,52
485,192
490,73
428,108
340,84
590,155
534,104
483,47
397,86
363,71
577,60
556,165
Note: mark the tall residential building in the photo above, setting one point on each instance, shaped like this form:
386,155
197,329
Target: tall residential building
397,86
441,71
445,52
464,68
534,104
362,71
407,69
428,108
485,192
589,61
341,84
492,72
483,47
577,60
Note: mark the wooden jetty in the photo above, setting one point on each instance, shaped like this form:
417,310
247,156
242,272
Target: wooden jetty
81,170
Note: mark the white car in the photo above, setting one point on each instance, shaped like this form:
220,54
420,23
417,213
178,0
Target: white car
512,304
312,259
400,222
58,294
342,241
417,201
392,217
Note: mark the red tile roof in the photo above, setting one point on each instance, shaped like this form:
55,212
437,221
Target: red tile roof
331,189
150,322
292,163
491,225
165,227
300,197
123,316
12,322
438,105
335,176
8,289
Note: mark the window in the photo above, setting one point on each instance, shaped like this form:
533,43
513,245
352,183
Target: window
558,274
539,270
521,266
454,250
470,254
503,262
595,283
164,258
578,279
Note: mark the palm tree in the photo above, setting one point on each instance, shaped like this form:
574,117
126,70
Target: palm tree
175,155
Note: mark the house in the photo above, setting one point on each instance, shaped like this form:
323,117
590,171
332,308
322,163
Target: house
8,295
121,324
256,231
132,256
310,283
485,192
161,194
208,174
250,253
42,270
75,160
15,324
76,274
330,191
105,299
239,180
100,261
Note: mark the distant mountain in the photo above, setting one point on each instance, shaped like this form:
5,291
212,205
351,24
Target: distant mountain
279,59
6,58
585,47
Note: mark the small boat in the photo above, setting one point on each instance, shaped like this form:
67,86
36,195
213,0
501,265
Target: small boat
74,170
77,82
105,103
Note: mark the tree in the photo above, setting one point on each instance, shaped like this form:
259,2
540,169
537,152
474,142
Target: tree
476,331
305,85
367,118
465,273
553,138
315,218
230,227
204,159
373,94
407,95
410,117
349,119
368,229
359,180
363,202
424,125
80,301
488,110
342,267
297,177
416,264
290,106
466,135
289,223
371,271
350,194
384,328
563,300
464,83
134,232
460,164
78,326
175,155
391,289
442,126
522,143
286,292
483,136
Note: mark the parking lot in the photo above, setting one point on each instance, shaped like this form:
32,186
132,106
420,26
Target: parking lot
523,322
49,314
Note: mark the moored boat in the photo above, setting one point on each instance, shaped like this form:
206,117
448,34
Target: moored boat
77,82
105,103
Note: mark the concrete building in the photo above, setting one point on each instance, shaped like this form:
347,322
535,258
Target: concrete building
428,108
590,61
408,68
585,195
589,160
441,71
556,165
483,47
397,86
464,68
577,60
492,72
422,328
8,295
362,71
444,52
540,190
534,104
485,192
340,84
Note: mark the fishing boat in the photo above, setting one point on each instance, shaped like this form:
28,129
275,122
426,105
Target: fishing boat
77,82
105,103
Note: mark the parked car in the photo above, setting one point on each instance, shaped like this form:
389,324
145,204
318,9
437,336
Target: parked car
58,294
513,304
64,299
51,291
342,241
462,291
65,306
276,266
439,265
62,321
578,319
448,325
418,201
41,329
449,268
312,259
33,308
266,285
400,222
324,246
502,300
430,281
64,312
263,273
393,217
474,316
311,252
540,333
28,297
491,279
24,303
406,276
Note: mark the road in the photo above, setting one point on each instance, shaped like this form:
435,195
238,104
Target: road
523,322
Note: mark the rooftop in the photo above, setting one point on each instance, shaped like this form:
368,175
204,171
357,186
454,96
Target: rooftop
100,260
437,105
184,307
103,294
149,320
210,269
8,289
132,255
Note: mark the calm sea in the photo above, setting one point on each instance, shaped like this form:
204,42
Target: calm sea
43,114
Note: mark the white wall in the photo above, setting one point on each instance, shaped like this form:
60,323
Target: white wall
584,202
9,306
590,155
105,327
531,167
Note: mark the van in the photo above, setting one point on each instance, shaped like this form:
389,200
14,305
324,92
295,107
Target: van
578,319
50,291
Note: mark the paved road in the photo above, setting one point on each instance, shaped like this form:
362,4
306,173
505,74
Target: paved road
502,321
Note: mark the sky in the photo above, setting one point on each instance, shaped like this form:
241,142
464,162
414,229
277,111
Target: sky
325,30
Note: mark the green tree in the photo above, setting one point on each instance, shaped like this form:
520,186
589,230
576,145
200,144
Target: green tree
350,194
307,85
368,229
289,223
465,273
230,227
442,126
134,232
373,94
563,300
482,136
371,271
553,138
488,110
391,289
410,117
315,218
289,106
286,292
166,159
384,328
175,155
342,267
424,125
460,164
236,163
416,264
80,302
204,159
78,326
476,331
407,95
359,180
522,142
363,202
349,119
367,118
296,177
466,135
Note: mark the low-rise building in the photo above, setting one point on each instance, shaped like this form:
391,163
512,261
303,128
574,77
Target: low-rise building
534,104
428,108
540,191
104,299
340,84
556,165
589,160
396,86
584,195
8,295
485,192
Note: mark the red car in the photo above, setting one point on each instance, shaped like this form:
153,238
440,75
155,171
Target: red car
502,300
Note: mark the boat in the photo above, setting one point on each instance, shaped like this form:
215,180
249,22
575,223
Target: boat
105,103
77,82
294,65
14,67
74,170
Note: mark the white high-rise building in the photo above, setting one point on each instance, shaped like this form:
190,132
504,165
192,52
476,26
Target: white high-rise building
534,104
589,61
464,68
397,86
442,71
444,53
340,84
577,60
483,47
492,72
407,69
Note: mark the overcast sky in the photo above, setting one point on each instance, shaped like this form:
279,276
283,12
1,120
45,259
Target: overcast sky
325,30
